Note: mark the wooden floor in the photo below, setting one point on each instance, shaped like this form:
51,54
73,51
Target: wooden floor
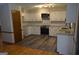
42,42
14,49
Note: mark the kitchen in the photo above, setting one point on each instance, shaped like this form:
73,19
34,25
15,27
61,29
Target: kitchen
57,20
33,19
43,21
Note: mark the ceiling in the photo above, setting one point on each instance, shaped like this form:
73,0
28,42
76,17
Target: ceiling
29,5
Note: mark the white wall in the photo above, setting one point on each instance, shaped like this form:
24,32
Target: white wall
0,21
6,22
6,19
71,15
8,37
0,15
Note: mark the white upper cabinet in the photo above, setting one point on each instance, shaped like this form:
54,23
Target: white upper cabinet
71,15
34,14
58,16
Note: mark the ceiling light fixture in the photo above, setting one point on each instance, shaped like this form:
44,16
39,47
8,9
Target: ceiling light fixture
45,5
40,6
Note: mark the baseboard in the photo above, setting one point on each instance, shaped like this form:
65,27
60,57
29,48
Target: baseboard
58,53
39,34
8,42
3,53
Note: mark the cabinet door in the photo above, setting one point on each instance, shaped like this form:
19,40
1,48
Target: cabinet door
32,17
58,16
65,44
36,30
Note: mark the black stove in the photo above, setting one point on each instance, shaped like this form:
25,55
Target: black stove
44,30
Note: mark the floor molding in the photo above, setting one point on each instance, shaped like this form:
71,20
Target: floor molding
8,42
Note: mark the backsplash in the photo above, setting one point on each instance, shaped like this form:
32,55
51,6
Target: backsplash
45,22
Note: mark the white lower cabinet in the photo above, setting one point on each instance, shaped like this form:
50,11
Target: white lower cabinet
35,30
65,44
31,30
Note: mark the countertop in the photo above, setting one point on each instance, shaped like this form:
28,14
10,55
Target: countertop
63,33
44,25
67,32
